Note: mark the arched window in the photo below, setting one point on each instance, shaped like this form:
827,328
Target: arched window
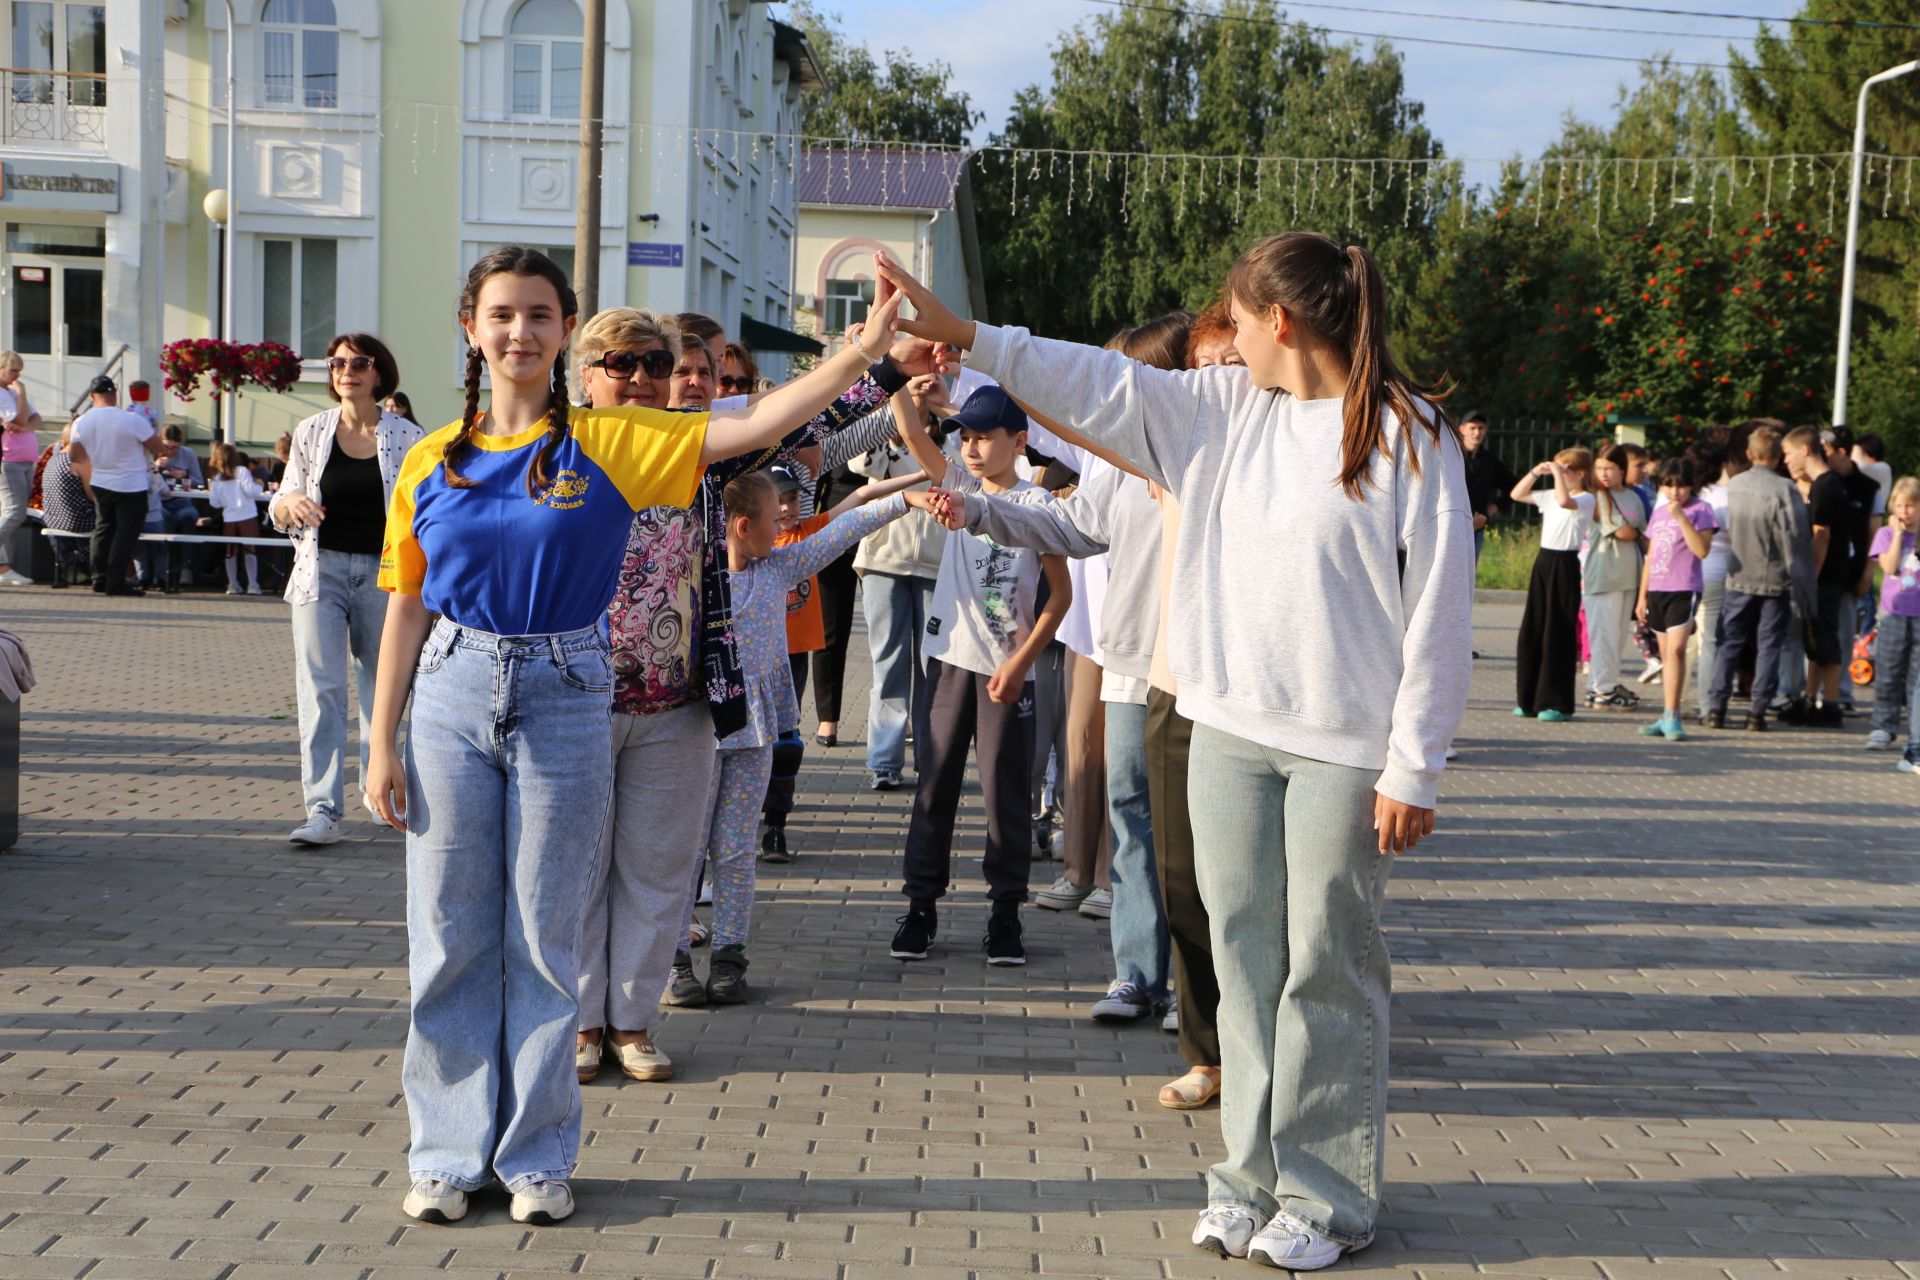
546,54
300,54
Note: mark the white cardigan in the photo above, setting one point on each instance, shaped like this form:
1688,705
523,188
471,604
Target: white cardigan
312,446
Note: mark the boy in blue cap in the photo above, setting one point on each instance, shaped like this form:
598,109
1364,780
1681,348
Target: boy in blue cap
983,633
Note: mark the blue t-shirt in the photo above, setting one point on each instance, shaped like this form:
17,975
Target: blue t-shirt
494,558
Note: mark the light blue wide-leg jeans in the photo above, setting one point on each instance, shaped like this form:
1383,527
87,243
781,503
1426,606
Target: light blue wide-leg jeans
1138,929
340,627
896,609
509,768
1290,869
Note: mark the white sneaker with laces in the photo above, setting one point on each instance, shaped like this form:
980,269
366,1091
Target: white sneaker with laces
430,1200
1652,673
14,578
1062,895
542,1204
1225,1229
317,829
1292,1245
1098,905
1879,740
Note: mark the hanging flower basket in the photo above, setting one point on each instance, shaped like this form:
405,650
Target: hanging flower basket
227,366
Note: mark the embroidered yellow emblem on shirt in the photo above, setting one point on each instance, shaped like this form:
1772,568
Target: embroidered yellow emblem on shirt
568,490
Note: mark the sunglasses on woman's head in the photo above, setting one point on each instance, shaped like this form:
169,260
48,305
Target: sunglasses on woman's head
735,386
359,364
623,364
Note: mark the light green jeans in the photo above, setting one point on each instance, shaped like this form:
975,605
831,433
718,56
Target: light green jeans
1290,869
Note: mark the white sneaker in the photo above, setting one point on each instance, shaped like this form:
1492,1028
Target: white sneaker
254,590
1171,1023
1452,751
1879,740
1652,673
317,829
542,1204
430,1200
1098,905
1225,1229
1062,895
13,578
1292,1245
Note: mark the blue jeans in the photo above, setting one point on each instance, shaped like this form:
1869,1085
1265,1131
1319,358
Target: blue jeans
1138,929
1762,624
1896,677
152,555
343,623
1293,879
509,774
896,610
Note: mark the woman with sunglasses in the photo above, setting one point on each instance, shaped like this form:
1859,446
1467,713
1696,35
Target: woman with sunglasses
333,503
678,686
739,375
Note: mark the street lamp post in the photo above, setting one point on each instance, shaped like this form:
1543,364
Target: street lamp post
218,209
1840,368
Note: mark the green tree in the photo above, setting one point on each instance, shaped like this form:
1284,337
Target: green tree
890,99
1079,244
1798,86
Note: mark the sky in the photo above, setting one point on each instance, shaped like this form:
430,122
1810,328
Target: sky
1483,104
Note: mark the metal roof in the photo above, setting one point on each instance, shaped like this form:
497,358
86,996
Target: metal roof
880,177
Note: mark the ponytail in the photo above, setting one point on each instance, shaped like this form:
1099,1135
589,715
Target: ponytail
1339,296
462,443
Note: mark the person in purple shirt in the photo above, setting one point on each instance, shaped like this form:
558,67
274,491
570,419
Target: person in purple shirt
1896,642
1678,538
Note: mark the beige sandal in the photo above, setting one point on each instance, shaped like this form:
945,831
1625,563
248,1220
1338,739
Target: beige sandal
1191,1091
698,934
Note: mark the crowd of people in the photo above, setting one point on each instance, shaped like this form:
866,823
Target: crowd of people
581,617
1769,564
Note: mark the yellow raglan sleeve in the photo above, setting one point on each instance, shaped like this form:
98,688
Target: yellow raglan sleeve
403,564
651,455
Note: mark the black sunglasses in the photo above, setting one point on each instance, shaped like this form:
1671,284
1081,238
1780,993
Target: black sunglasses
359,364
622,364
739,386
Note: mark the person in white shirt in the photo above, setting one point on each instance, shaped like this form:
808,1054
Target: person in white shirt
235,495
110,450
1549,629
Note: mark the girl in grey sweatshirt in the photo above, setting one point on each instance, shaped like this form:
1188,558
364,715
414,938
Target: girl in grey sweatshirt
1321,607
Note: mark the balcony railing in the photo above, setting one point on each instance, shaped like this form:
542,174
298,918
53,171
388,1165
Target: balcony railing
52,108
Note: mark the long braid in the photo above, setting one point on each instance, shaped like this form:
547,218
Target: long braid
540,474
458,447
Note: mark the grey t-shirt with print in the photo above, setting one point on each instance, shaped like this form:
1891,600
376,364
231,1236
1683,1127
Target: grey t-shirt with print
984,599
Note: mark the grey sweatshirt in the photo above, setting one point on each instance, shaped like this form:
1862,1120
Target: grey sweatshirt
1110,511
1769,539
1302,620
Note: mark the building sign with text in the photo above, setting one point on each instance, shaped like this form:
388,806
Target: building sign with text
75,185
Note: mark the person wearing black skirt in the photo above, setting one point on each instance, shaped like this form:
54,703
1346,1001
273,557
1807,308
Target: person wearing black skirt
1549,641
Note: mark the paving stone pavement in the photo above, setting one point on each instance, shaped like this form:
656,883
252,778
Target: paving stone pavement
1655,1010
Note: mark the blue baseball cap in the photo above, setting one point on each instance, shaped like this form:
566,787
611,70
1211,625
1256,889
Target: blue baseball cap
989,409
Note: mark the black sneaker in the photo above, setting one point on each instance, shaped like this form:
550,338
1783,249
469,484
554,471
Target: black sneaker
1793,711
1616,699
1757,722
1825,716
1717,718
1003,938
684,988
727,976
916,933
773,844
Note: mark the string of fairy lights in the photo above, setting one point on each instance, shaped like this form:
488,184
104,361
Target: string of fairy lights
1309,189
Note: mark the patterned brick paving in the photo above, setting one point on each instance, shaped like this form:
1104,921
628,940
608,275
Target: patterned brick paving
1655,1010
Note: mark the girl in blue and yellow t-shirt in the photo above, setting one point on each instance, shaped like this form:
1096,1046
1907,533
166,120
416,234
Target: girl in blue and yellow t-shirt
503,545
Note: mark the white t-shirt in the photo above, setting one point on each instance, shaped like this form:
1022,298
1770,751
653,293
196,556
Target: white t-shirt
1714,567
1562,529
115,442
236,499
983,600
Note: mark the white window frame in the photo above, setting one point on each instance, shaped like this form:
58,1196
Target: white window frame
831,302
544,46
297,300
296,33
61,76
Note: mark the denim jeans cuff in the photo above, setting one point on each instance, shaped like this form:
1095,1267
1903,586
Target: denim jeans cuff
1346,1241
526,1180
468,1185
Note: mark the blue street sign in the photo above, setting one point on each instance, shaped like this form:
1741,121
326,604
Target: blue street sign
655,255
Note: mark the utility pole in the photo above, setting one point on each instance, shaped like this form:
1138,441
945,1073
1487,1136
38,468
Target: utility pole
1842,366
586,226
